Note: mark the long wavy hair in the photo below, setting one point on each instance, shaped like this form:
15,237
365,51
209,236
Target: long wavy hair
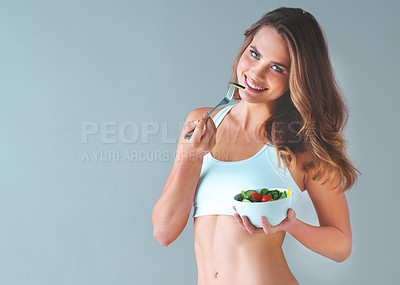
312,114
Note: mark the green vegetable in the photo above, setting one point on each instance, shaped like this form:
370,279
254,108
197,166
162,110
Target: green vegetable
238,197
245,196
237,85
264,191
275,194
248,193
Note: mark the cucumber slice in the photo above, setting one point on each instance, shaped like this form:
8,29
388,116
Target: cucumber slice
248,193
237,85
246,200
253,200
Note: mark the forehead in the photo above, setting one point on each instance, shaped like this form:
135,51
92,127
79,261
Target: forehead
271,45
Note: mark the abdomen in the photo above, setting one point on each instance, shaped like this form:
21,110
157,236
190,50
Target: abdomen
226,254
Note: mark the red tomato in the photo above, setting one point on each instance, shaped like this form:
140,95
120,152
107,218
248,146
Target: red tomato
256,196
266,198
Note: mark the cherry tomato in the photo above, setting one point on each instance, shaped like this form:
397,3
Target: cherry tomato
266,198
256,196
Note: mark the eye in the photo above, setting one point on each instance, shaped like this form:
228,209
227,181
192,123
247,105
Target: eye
277,68
254,54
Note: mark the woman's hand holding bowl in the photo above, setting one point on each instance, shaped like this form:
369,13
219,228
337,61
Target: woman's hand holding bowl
285,225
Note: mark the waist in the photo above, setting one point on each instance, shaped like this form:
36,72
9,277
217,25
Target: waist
228,254
221,233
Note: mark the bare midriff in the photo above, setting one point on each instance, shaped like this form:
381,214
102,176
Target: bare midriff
228,255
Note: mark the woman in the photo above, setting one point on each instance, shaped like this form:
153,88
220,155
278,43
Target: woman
286,131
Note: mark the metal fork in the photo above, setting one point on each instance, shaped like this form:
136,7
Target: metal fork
224,101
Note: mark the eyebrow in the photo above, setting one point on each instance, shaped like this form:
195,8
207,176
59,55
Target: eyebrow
274,62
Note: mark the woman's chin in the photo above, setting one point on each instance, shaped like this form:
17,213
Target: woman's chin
259,97
252,98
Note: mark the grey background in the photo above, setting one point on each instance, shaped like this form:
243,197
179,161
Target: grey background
64,220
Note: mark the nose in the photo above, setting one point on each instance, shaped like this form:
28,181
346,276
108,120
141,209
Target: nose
258,72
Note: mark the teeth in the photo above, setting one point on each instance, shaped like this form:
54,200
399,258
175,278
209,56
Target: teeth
253,86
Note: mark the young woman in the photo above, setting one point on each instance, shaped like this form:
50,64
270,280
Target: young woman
285,131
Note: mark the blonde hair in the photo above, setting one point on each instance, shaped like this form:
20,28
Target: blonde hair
312,114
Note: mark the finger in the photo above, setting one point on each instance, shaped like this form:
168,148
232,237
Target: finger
239,219
266,226
208,131
291,214
212,124
188,128
191,124
249,226
213,140
198,131
240,222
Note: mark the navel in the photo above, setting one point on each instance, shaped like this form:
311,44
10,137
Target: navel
216,275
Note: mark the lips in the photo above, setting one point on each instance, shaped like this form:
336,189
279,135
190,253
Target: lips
251,84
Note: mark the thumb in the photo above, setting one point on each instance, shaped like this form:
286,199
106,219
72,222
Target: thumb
292,215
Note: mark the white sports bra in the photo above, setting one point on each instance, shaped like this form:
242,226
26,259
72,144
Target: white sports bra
220,180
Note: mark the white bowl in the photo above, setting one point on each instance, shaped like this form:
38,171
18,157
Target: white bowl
274,211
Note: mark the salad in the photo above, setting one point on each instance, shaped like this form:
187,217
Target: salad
265,195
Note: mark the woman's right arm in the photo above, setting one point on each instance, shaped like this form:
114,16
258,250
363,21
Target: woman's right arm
171,211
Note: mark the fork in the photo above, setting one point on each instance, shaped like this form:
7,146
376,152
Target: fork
224,101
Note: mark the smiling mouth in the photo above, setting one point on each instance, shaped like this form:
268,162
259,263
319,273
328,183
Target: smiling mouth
250,83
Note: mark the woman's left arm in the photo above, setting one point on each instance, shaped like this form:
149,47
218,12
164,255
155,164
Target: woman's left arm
333,238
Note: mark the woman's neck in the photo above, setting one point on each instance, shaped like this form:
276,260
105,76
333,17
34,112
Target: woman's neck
250,116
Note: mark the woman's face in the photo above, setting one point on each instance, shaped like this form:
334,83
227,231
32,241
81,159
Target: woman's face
264,67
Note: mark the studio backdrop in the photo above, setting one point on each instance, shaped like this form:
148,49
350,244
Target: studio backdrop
93,98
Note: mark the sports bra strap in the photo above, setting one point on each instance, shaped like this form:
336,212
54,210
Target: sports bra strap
221,114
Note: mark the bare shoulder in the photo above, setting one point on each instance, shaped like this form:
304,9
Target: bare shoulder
196,114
